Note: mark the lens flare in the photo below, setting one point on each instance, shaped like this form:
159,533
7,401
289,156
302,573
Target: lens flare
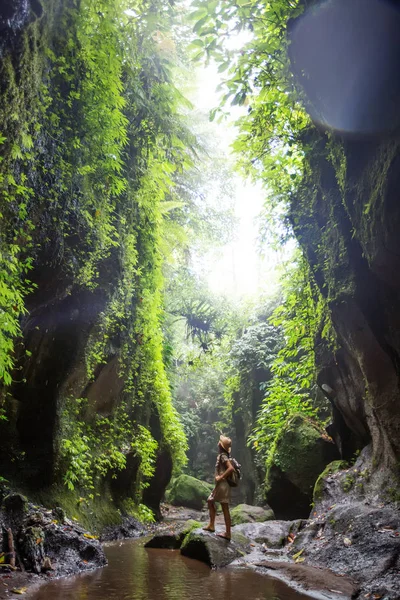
346,56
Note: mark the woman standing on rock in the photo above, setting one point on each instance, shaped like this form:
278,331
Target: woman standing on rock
222,490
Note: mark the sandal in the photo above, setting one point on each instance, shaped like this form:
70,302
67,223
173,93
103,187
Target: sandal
225,537
208,528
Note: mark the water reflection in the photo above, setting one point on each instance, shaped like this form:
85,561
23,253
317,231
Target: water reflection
136,573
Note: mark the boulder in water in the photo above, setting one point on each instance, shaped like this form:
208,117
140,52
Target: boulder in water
213,550
172,538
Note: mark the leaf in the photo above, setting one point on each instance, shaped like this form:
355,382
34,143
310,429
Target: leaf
90,537
198,14
21,590
200,24
347,542
198,43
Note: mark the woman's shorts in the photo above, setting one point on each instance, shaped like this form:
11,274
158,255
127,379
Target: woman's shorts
221,493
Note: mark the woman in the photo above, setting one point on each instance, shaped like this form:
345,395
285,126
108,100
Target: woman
222,490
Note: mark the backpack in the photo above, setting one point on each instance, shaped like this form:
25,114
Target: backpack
234,477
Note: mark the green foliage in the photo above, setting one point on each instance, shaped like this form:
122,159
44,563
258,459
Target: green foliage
91,450
85,108
251,354
94,145
140,511
208,317
200,326
16,228
302,316
270,141
271,146
140,114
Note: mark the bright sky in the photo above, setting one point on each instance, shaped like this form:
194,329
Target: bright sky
236,269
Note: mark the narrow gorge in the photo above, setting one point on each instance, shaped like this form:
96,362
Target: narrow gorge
119,364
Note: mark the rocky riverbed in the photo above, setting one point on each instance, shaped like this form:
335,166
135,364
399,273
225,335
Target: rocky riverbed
346,549
349,548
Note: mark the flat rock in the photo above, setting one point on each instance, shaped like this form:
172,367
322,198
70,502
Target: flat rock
273,533
311,578
213,550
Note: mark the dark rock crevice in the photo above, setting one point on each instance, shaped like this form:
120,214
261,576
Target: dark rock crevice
363,371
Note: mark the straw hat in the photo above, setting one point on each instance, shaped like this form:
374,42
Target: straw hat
225,442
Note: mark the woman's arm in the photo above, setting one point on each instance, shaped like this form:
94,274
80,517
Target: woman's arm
226,473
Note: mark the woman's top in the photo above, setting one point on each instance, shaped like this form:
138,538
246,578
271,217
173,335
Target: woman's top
220,465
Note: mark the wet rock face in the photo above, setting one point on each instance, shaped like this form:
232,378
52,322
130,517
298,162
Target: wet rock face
70,551
349,232
56,333
347,217
196,543
360,540
172,537
351,531
14,16
302,452
129,528
43,543
154,493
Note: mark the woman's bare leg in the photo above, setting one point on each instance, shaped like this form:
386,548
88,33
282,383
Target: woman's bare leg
213,511
227,518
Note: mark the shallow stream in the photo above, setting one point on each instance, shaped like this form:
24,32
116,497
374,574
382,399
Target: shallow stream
137,573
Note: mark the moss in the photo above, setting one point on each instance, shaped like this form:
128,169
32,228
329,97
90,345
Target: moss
248,514
331,469
347,483
294,452
393,494
94,515
192,538
189,526
239,538
189,491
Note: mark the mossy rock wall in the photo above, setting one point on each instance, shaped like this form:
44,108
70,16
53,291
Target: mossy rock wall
347,219
87,403
301,453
